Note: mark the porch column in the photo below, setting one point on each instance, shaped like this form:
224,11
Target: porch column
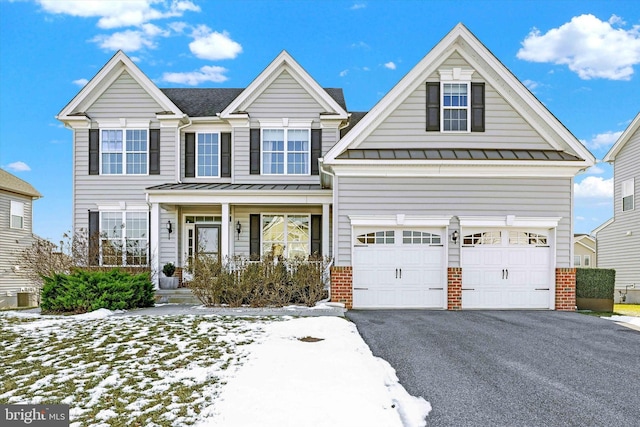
224,240
154,243
325,230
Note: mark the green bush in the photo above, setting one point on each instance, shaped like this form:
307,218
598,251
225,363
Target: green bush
595,283
86,290
262,283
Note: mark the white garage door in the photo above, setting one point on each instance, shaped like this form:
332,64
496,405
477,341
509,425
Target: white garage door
506,269
399,268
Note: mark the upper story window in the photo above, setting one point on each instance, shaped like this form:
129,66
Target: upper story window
208,154
286,151
455,107
17,214
628,191
124,151
455,104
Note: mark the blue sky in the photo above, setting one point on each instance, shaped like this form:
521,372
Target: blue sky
580,58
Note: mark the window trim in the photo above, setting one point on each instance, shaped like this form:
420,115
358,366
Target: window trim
124,150
285,151
123,237
577,258
17,207
286,220
197,175
466,108
628,190
587,260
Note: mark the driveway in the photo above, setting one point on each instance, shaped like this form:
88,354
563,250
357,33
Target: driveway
511,368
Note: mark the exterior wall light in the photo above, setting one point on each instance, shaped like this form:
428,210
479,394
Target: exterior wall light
169,228
238,229
454,237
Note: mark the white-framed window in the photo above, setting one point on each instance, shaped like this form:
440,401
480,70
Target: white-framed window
628,190
411,237
385,237
527,238
208,154
287,235
124,238
455,106
577,260
17,214
587,260
124,151
483,238
286,151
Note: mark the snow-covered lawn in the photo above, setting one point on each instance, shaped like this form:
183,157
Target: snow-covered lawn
180,370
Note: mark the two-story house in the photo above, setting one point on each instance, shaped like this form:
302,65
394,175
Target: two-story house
454,191
16,234
618,239
584,251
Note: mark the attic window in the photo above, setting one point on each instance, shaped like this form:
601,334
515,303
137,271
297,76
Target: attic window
455,104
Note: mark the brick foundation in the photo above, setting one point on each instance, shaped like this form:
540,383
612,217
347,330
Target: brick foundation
454,288
342,285
566,289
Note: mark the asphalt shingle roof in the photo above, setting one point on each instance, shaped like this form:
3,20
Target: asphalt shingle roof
14,184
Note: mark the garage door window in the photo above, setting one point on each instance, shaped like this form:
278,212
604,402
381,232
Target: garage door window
377,238
420,238
527,239
483,238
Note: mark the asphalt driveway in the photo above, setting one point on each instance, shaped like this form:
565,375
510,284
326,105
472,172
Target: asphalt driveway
511,368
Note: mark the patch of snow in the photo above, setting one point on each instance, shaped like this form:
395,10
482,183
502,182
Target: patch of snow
105,414
625,319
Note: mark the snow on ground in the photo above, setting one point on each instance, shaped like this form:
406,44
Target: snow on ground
624,319
315,372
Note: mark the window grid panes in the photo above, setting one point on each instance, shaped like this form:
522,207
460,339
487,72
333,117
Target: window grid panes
455,103
627,195
124,238
386,237
285,151
286,235
17,214
130,147
576,260
208,156
484,238
410,237
525,238
587,261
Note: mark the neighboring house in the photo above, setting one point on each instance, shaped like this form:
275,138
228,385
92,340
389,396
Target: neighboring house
454,191
584,251
16,224
618,239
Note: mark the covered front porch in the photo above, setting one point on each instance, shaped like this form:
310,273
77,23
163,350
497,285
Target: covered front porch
227,220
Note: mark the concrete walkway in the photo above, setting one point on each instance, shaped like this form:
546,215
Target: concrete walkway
181,309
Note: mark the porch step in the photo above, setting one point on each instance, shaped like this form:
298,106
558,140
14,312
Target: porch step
176,296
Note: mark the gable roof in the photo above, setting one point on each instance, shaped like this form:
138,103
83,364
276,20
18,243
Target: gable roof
624,138
12,183
208,102
119,63
284,62
461,40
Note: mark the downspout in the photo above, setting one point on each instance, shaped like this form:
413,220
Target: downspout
177,148
333,246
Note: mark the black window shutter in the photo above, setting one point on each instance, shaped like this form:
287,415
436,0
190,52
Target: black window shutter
225,154
316,235
316,149
477,107
154,151
254,237
94,238
433,106
254,152
189,155
94,152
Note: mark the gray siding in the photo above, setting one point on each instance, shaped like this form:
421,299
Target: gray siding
405,127
12,242
124,98
616,248
540,197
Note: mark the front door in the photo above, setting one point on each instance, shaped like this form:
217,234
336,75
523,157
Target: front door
207,240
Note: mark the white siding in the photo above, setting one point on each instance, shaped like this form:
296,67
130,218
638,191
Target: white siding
529,197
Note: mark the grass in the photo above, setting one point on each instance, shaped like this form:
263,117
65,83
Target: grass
147,370
618,310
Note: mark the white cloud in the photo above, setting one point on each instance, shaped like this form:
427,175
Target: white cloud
588,46
360,45
594,187
128,41
80,82
390,65
594,170
119,13
213,45
344,73
602,140
208,73
357,6
531,85
580,218
18,166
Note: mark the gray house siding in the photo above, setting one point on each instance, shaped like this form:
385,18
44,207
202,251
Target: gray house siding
618,244
505,128
427,196
12,242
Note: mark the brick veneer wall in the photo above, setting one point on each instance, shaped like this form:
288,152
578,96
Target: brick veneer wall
566,289
342,285
454,288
